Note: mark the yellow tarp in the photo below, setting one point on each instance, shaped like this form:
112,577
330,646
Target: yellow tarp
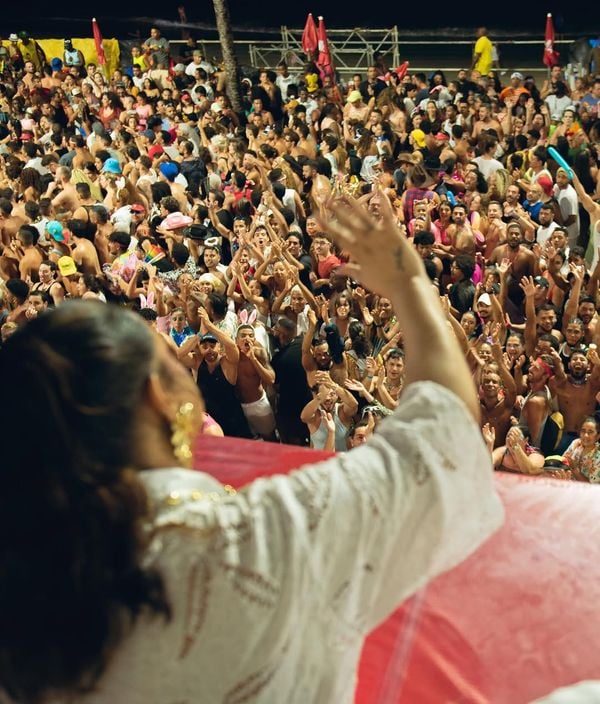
56,47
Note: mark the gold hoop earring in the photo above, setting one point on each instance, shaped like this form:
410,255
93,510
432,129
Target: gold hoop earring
182,429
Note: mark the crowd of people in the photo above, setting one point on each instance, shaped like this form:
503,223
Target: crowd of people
147,190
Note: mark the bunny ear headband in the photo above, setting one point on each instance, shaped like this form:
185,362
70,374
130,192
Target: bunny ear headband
246,319
148,302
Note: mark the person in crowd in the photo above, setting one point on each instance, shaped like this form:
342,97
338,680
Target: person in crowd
156,191
151,551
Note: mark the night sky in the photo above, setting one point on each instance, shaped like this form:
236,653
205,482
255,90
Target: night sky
119,18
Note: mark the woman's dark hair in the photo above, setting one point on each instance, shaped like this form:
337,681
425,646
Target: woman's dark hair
466,264
358,337
219,303
180,253
71,524
159,190
91,283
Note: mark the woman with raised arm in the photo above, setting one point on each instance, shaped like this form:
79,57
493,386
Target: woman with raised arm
128,578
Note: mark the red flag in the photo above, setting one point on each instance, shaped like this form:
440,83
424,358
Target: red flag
309,36
98,42
324,61
550,55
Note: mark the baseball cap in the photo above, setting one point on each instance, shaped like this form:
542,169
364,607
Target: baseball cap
55,230
137,208
56,64
13,37
517,74
169,170
155,151
112,166
76,91
418,138
148,134
354,96
67,266
179,67
541,281
485,299
208,337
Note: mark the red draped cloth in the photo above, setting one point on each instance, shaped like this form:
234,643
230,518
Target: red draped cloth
513,622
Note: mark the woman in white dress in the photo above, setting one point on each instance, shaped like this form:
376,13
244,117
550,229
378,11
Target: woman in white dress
126,578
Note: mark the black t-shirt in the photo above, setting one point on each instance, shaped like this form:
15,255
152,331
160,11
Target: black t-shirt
290,377
307,262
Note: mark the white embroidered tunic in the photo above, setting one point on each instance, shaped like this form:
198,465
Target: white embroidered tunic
273,589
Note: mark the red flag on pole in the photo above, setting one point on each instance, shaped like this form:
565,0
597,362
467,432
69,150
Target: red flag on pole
550,55
324,61
309,37
98,43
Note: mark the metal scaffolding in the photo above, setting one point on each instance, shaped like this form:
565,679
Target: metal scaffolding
352,49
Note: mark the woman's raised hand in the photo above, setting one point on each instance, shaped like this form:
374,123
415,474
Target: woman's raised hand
382,258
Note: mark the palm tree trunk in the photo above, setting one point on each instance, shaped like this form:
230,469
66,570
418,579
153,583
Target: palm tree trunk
232,71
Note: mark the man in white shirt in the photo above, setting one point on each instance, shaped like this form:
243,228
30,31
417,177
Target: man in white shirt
199,62
547,224
486,162
283,80
568,204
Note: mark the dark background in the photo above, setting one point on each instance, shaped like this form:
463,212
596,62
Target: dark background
129,17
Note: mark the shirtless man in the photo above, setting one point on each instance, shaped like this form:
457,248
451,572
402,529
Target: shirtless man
576,392
536,407
496,228
522,261
460,232
486,122
497,409
9,222
539,319
31,257
316,356
319,186
254,373
249,167
67,200
330,403
82,154
168,171
17,292
104,228
83,252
